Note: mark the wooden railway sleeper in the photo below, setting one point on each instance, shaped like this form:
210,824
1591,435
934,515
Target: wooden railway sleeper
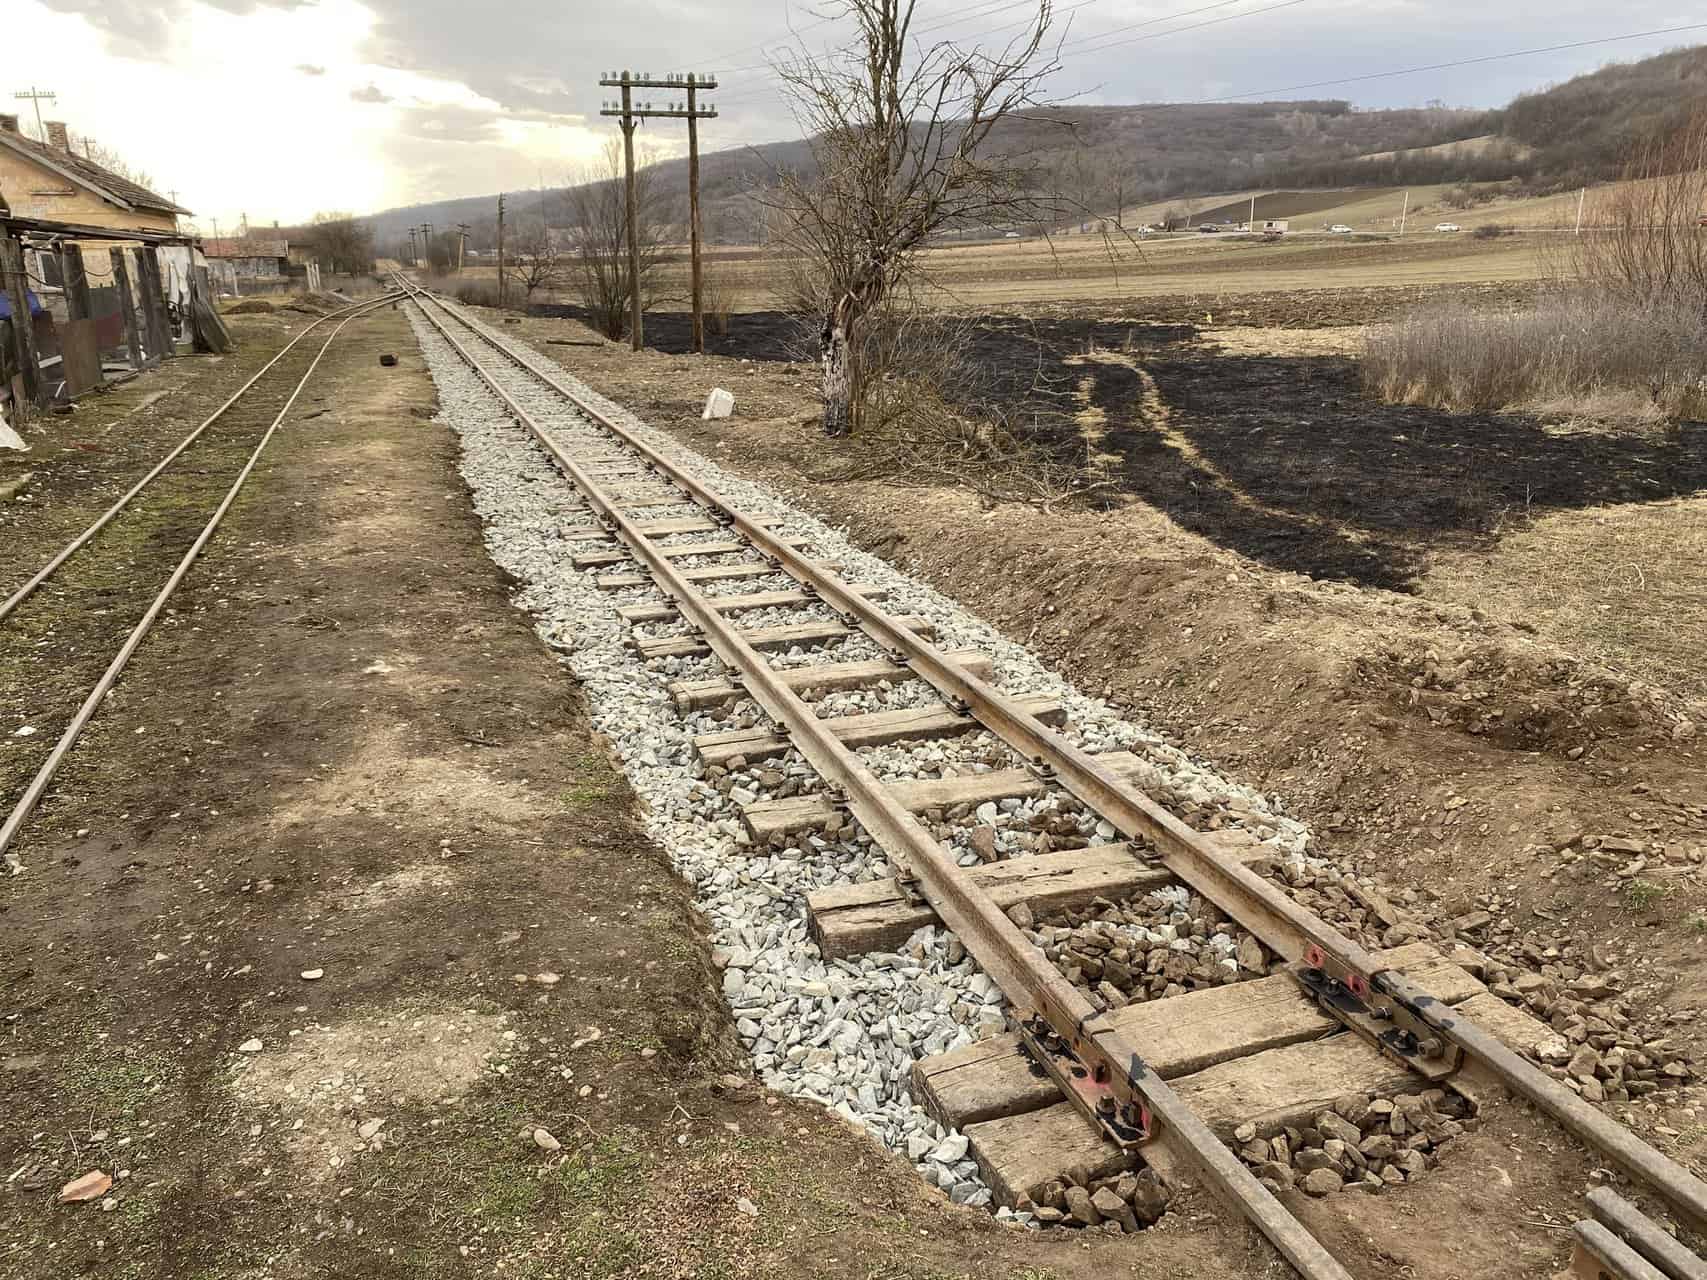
1005,954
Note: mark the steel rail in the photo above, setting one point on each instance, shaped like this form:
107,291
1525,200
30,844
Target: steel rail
44,776
71,548
999,947
1287,928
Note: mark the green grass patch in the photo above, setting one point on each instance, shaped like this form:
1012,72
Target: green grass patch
1639,895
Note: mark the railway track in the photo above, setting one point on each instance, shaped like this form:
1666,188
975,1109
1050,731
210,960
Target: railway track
1085,1086
257,405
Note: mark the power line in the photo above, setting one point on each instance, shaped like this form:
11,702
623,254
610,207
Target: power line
1172,31
1462,62
1094,42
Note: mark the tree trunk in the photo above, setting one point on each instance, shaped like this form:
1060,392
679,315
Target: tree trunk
838,376
841,358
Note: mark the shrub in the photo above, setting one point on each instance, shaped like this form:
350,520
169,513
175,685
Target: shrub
717,297
476,293
1587,354
1490,231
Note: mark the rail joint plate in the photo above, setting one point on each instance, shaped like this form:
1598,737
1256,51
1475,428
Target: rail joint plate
1343,993
1126,1122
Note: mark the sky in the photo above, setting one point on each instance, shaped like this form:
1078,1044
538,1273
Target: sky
281,109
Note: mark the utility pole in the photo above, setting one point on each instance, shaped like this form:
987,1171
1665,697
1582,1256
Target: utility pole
1252,224
703,82
38,96
500,251
461,244
1581,197
1405,212
629,116
414,258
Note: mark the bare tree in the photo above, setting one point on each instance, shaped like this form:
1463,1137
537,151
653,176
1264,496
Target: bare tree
598,263
1647,241
532,262
111,161
343,244
898,131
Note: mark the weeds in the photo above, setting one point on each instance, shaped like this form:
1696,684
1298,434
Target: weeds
1577,353
718,300
1639,895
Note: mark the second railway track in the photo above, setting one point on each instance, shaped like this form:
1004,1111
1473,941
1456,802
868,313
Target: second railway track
758,645
245,421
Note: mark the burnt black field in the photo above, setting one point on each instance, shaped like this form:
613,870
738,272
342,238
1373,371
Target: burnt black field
1287,460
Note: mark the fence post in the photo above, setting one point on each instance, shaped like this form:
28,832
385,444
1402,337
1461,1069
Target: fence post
16,283
127,307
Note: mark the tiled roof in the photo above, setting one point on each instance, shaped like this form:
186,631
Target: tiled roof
238,247
90,174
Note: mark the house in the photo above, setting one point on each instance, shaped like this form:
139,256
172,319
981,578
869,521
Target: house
250,257
48,180
248,264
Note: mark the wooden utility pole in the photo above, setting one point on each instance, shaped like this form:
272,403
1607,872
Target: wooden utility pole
629,116
500,251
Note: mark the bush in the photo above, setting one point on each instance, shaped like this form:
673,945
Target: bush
1587,354
1490,231
717,297
475,293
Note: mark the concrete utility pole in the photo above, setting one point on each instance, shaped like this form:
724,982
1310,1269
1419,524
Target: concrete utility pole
500,251
1582,196
629,116
38,96
1405,212
461,244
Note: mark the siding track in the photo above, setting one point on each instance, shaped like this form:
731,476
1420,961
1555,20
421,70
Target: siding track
274,402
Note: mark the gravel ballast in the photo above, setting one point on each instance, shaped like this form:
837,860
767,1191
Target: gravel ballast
843,1033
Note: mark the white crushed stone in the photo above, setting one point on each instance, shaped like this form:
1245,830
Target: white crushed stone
844,1033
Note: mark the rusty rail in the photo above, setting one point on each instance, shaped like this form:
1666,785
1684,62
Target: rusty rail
1029,980
44,776
1287,928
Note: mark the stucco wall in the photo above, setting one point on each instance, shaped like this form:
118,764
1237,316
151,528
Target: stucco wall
37,192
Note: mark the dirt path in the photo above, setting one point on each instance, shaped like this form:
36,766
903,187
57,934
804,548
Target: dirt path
346,755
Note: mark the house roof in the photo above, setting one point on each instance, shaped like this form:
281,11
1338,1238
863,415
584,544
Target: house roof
239,247
86,173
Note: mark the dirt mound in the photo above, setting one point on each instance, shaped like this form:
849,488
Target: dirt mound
1521,696
250,307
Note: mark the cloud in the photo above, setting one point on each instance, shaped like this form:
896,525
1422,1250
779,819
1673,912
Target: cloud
145,30
372,93
309,69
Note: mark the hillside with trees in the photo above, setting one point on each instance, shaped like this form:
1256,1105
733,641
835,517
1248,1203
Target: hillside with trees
1099,159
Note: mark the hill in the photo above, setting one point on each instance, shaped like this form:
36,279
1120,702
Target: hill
1114,157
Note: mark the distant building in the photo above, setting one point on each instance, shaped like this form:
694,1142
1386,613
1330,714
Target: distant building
248,264
50,181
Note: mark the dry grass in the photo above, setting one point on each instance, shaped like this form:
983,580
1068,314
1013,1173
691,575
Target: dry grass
1585,354
719,299
1624,586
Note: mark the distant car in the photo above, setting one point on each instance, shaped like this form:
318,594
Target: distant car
1208,229
1011,235
1447,226
1340,229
